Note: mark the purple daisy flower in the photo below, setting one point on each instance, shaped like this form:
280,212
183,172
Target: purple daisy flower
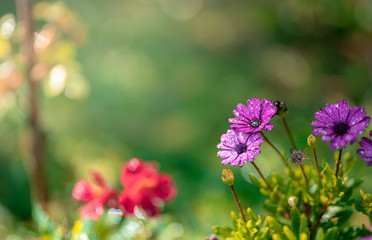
366,238
366,151
239,147
254,117
340,124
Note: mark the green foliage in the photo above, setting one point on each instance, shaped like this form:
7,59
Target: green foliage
366,206
129,228
254,228
320,211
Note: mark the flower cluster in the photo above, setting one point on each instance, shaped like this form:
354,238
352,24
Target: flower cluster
338,123
145,190
240,143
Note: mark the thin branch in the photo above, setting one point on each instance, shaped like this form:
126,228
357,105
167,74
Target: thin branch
238,202
275,149
24,13
303,172
289,133
338,162
262,176
317,164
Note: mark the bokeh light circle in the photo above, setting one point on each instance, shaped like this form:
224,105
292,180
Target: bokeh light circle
181,9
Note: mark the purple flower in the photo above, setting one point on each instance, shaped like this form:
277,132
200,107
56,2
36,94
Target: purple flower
366,238
238,147
340,124
254,117
366,151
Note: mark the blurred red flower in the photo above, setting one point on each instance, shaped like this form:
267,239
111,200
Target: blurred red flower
95,195
145,188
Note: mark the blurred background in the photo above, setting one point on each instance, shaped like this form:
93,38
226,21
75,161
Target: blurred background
158,80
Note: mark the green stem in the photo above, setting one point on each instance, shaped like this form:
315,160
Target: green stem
317,164
262,176
238,202
338,162
276,150
303,171
317,223
289,133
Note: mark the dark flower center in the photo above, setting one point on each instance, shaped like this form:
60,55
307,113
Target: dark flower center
341,128
241,148
256,123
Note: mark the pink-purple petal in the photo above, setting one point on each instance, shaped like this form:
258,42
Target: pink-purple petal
323,131
225,161
334,144
243,158
318,124
332,112
234,120
327,138
369,163
224,154
365,143
342,109
351,138
356,114
249,156
268,127
323,116
366,150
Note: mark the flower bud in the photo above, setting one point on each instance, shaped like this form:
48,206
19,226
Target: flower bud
297,156
292,201
228,177
281,108
311,141
212,237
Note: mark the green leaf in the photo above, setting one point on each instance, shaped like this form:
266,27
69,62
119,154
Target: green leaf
242,227
295,221
288,233
343,216
361,192
359,208
251,215
222,232
277,237
274,226
42,220
331,234
254,180
319,234
270,207
303,226
235,219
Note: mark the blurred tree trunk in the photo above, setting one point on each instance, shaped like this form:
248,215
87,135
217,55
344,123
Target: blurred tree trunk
37,141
